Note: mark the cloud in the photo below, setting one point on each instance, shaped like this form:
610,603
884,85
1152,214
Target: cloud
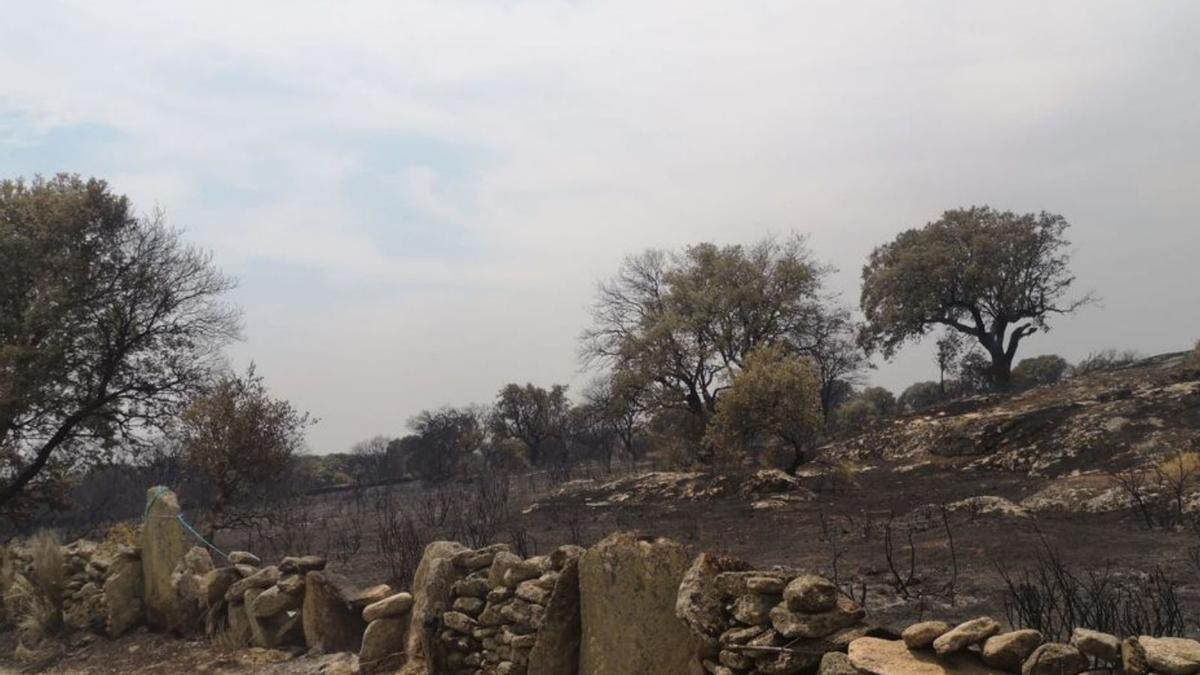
459,174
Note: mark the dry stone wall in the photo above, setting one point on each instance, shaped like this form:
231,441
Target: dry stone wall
626,606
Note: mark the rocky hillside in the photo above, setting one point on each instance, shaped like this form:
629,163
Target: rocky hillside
1134,416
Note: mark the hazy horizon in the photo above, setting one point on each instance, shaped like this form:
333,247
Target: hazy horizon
419,198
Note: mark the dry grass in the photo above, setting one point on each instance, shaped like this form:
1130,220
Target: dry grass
1193,359
49,573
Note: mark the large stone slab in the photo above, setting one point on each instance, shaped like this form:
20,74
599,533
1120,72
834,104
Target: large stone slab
123,594
435,574
628,588
332,622
556,651
164,545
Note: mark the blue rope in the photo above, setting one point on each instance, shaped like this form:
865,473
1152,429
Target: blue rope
158,491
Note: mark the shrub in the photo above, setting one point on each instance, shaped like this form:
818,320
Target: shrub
1159,496
919,396
1106,360
1040,370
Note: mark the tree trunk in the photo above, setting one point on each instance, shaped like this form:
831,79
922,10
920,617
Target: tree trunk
1001,370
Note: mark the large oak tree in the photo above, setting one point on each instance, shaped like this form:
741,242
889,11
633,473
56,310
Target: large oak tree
108,323
995,276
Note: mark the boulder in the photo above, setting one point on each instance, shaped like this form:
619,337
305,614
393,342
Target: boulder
501,562
331,621
390,607
237,627
1171,655
217,582
274,600
164,545
469,560
792,624
966,634
753,609
187,581
556,648
383,637
628,588
1133,657
123,595
1055,658
873,656
435,575
810,593
262,579
243,558
921,635
301,564
700,603
1096,644
1008,651
282,629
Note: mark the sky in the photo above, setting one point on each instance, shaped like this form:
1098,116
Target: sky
418,198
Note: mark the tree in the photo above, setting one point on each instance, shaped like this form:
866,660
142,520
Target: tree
618,403
108,325
949,348
684,323
532,415
828,338
864,408
442,439
1040,370
240,439
375,460
995,276
775,399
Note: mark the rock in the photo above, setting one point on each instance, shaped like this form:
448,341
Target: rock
360,598
556,649
787,663
459,622
187,581
264,578
1096,644
628,588
476,560
1171,655
292,583
474,588
700,602
243,558
435,575
278,630
921,635
792,624
529,591
238,631
123,595
753,609
384,636
1008,651
810,593
1133,657
164,544
331,622
1054,658
561,555
301,564
521,571
391,606
765,585
501,561
274,600
966,634
836,663
873,656
214,584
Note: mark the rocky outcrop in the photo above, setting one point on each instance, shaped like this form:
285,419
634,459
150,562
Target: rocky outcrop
628,589
332,613
123,593
431,598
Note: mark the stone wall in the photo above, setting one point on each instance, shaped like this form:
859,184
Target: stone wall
626,606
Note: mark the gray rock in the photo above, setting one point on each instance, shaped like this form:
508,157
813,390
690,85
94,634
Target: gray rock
556,649
792,624
1096,644
921,635
164,544
810,593
966,634
1054,658
1009,650
331,622
383,637
391,606
1171,655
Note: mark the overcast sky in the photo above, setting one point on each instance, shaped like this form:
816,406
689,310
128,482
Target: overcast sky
418,198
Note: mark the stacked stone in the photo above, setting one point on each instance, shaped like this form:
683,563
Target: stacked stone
979,646
261,604
780,622
387,628
84,606
497,608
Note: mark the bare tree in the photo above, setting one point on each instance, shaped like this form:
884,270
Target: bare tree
532,415
108,323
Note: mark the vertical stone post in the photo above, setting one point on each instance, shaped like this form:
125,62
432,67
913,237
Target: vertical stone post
164,544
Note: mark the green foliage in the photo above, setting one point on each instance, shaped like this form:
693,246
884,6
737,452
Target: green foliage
920,395
774,400
239,438
686,322
442,441
994,276
108,323
864,409
1040,370
533,415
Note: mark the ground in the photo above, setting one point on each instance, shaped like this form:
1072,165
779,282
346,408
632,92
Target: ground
966,491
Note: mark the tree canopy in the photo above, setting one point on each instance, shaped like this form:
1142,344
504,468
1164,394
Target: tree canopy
994,275
108,324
